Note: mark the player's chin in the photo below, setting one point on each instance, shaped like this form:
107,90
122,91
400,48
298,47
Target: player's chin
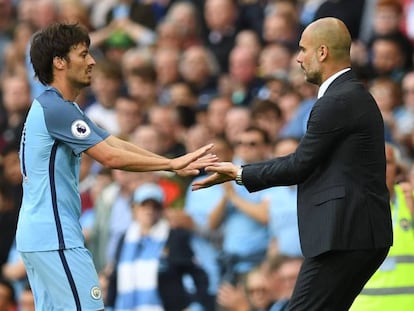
85,83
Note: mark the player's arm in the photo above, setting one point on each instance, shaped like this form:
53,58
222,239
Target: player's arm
122,144
116,154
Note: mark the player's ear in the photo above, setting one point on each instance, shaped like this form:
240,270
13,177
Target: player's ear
59,62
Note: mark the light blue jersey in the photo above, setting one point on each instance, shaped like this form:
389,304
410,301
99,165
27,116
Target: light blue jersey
283,219
199,205
243,235
56,132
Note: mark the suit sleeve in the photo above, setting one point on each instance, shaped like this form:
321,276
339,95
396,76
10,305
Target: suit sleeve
327,125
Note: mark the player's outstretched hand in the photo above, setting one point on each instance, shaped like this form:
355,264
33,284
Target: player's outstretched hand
194,167
191,163
222,172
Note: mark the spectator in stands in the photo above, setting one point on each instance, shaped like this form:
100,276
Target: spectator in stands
92,183
7,296
74,11
149,137
166,60
141,83
387,58
249,39
186,16
163,254
135,58
6,24
206,243
26,299
168,35
14,271
258,292
267,116
237,120
216,114
275,60
407,19
15,51
404,113
391,286
298,124
243,75
221,18
282,29
290,102
166,120
113,215
282,272
10,197
253,294
129,113
251,15
283,222
349,11
183,95
387,95
197,135
11,173
106,85
40,14
243,249
16,101
134,22
8,220
273,89
199,68
139,252
387,21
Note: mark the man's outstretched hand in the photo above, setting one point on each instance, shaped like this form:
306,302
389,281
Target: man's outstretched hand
191,163
221,172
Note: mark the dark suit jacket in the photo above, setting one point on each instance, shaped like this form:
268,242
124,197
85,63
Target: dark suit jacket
339,166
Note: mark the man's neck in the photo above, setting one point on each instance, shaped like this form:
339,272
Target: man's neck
68,93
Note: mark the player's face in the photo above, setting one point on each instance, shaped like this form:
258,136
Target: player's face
79,68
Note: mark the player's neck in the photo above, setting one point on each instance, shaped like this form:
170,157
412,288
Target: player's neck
67,91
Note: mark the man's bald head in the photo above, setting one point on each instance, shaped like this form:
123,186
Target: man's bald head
324,49
334,34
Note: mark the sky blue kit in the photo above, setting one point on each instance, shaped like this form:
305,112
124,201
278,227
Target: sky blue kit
56,133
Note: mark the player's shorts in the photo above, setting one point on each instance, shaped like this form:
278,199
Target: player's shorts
64,280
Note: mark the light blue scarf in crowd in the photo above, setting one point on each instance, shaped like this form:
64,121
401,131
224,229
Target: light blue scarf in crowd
137,268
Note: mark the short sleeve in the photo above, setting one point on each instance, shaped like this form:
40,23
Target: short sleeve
69,125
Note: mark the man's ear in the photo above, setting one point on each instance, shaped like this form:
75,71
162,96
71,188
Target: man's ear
322,52
59,62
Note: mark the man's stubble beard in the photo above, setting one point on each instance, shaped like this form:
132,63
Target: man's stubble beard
314,78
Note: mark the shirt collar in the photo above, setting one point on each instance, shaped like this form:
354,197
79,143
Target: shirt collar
324,86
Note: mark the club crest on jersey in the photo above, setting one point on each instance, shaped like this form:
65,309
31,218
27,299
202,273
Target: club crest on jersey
96,293
80,129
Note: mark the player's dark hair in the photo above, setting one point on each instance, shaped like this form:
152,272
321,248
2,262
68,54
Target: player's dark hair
53,41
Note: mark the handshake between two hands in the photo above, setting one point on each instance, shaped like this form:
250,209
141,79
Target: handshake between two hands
220,172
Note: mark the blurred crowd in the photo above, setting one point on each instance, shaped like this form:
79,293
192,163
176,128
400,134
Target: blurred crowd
172,75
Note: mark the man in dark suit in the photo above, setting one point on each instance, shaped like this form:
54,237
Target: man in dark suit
339,166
